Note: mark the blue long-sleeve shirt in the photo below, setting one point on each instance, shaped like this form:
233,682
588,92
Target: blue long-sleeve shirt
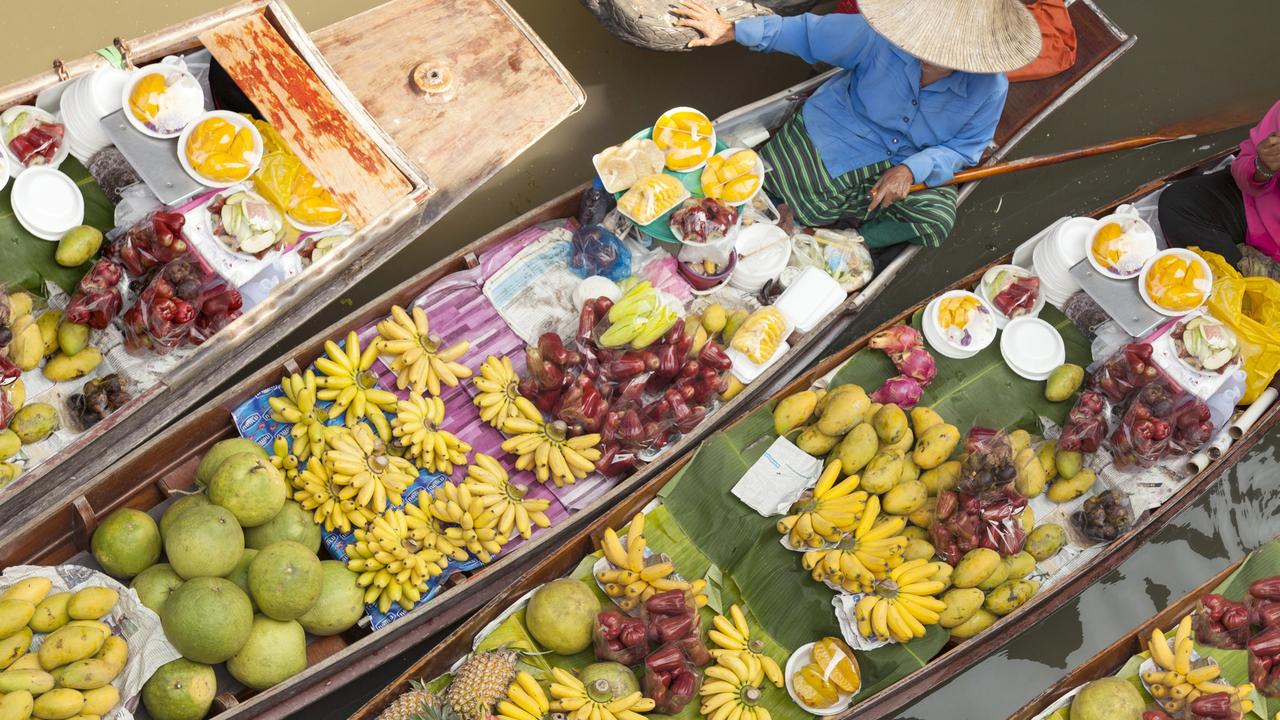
875,109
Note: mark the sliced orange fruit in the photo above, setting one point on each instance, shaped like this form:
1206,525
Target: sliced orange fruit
812,689
836,659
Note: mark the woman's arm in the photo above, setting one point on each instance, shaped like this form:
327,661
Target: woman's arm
938,164
833,39
1259,156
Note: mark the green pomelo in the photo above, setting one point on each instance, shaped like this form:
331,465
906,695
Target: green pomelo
178,509
285,579
340,605
205,541
1107,699
222,450
240,573
616,677
291,523
155,584
250,487
561,615
180,690
126,543
207,619
275,651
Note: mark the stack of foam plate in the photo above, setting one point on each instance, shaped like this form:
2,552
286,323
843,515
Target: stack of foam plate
1032,348
1055,255
87,100
47,202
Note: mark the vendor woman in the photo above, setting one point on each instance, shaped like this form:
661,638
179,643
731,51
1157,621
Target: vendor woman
920,95
1234,212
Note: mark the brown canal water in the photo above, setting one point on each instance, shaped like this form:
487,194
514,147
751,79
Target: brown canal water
1193,60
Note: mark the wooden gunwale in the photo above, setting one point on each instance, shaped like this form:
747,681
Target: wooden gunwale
1115,655
951,662
289,305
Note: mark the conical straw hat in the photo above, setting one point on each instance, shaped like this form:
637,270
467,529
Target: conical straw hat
983,36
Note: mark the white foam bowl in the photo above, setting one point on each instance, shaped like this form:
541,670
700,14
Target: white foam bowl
16,168
1205,288
240,121
47,202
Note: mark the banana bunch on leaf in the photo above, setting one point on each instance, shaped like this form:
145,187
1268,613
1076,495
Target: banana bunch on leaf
826,513
733,637
870,552
900,607
732,689
580,702
347,378
1180,681
417,427
633,578
419,359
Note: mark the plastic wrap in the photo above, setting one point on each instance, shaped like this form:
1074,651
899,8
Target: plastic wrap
596,251
150,243
288,184
218,305
651,197
1104,517
1215,706
1264,661
703,220
671,616
1161,419
1221,623
984,509
619,638
761,334
1263,603
670,680
97,298
842,254
97,399
165,311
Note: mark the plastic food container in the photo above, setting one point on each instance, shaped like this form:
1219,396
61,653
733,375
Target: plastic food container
810,298
990,276
758,171
16,167
763,253
981,327
703,283
172,71
801,657
239,121
1139,242
1205,286
1032,348
657,138
47,202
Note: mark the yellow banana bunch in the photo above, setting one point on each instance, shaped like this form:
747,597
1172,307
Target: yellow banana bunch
732,689
546,448
488,480
298,408
499,387
347,380
417,427
733,637
580,702
900,606
633,579
828,512
873,549
469,524
1179,681
283,460
525,700
358,458
331,499
418,358
425,528
393,566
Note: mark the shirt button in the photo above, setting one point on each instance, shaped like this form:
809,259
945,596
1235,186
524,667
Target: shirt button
895,141
914,103
906,119
888,153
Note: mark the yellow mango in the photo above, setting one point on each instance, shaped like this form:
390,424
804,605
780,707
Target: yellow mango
69,644
14,615
51,613
100,701
60,704
92,603
33,590
14,647
88,674
35,682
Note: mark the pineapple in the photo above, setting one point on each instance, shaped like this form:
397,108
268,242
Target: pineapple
480,683
416,704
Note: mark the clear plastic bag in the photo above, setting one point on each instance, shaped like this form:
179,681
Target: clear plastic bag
151,242
670,679
703,220
619,638
1221,623
218,305
1104,517
165,311
97,298
289,185
761,334
1264,661
842,254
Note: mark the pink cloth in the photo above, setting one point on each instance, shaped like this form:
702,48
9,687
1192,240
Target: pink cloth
1261,201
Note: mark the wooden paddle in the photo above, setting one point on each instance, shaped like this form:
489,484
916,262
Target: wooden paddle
1179,132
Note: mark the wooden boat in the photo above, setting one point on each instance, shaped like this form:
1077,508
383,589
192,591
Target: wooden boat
441,149
1114,657
954,659
38,491
55,527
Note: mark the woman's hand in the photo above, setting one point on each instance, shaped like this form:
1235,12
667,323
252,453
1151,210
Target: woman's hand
892,186
714,29
1269,152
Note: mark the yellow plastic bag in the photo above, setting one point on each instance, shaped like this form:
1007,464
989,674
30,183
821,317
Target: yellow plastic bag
1251,307
289,185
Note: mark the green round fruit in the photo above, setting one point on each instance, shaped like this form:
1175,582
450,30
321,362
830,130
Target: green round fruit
285,579
222,450
1107,699
561,615
275,651
205,541
78,246
178,508
155,584
126,543
180,690
340,605
291,523
240,573
250,487
615,677
207,619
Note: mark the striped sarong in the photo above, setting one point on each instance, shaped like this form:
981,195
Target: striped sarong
800,179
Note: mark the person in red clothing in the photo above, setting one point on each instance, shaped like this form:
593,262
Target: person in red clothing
1233,212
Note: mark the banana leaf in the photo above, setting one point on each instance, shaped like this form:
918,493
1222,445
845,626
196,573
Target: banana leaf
980,390
28,260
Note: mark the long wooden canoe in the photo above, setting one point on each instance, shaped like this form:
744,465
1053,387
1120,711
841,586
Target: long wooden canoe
956,657
1114,657
40,490
443,148
56,527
